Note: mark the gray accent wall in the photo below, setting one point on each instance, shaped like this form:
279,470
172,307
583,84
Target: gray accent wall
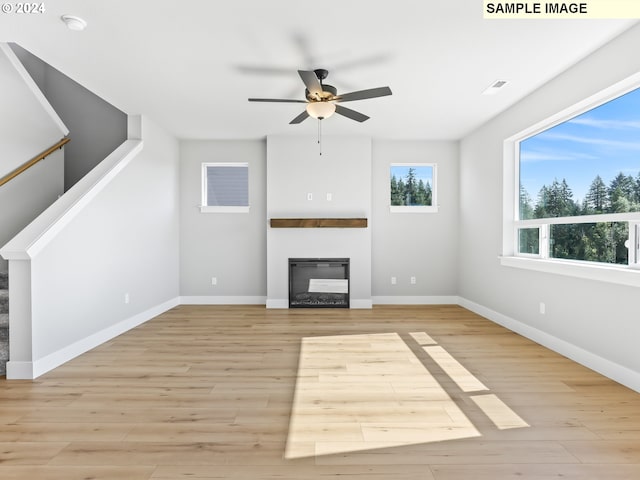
596,319
96,127
421,245
232,247
228,246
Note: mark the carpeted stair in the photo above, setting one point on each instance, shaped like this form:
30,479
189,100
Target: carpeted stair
4,322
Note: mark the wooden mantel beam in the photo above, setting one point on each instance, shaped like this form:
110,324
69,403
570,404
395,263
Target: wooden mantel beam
318,223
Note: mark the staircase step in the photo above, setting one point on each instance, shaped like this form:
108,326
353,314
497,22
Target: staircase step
4,301
4,322
4,349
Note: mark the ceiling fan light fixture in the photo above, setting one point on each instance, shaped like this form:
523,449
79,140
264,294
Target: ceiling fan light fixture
320,110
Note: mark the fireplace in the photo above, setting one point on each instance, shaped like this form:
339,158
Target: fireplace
318,283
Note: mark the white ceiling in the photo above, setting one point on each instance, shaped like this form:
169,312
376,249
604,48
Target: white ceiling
191,65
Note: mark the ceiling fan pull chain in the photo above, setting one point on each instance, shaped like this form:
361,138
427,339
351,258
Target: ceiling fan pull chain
320,135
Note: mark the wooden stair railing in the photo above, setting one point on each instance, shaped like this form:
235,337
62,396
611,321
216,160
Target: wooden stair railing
25,166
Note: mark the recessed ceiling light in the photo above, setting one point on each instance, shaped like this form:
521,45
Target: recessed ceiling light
495,87
74,23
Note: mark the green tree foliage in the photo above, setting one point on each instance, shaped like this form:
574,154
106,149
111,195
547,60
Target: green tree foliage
396,192
597,198
597,242
410,190
526,207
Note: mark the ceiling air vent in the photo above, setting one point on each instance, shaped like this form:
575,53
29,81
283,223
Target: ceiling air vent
495,87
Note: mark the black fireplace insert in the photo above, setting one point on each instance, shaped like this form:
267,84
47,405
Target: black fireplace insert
319,283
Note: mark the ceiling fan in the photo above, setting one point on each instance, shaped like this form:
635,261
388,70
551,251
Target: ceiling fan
321,99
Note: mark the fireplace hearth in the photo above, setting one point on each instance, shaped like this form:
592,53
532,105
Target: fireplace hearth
318,283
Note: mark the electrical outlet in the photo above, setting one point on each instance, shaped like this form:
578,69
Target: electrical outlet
214,281
329,197
543,308
394,280
126,298
413,280
309,196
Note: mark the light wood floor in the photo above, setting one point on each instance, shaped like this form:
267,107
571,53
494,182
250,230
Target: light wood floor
391,393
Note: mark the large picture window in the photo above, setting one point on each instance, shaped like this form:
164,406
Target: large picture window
577,187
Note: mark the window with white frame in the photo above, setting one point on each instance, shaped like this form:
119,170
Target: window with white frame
225,187
412,187
576,189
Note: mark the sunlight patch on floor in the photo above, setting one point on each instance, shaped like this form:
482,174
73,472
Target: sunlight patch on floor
362,392
498,412
460,375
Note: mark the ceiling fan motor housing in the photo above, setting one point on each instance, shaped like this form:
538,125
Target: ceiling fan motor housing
321,73
328,92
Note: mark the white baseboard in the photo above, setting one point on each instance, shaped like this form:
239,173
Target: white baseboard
277,303
30,370
416,300
612,370
619,373
360,303
20,370
222,300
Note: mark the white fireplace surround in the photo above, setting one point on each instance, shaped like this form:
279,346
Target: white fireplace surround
301,183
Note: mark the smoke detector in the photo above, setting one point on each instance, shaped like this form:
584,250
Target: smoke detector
74,23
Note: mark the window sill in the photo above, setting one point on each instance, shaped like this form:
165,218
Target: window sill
207,209
413,209
622,275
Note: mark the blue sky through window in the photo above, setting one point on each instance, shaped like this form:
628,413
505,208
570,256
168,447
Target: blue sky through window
422,172
603,141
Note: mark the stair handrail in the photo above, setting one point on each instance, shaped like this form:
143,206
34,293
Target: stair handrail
41,156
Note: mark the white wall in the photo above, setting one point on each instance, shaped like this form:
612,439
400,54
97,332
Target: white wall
295,169
26,126
125,241
592,321
424,245
228,246
29,194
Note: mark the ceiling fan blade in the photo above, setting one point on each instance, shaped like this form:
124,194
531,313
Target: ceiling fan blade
279,100
363,94
300,118
352,114
311,82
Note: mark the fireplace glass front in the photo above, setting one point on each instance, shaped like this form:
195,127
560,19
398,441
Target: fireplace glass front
318,283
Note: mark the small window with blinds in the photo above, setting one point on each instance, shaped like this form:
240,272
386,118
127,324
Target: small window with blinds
225,187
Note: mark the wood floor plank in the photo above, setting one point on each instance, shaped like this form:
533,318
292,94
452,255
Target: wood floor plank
29,453
396,392
49,472
292,472
536,472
